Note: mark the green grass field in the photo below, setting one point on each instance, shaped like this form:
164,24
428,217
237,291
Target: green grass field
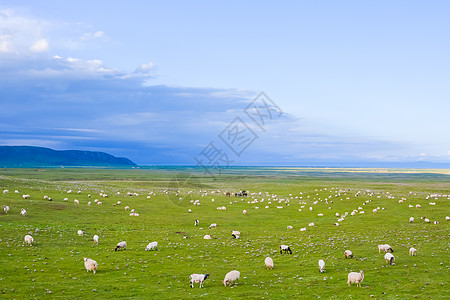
53,266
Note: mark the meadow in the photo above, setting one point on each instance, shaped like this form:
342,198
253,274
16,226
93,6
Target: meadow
52,267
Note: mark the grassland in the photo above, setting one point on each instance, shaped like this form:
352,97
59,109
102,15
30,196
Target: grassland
53,266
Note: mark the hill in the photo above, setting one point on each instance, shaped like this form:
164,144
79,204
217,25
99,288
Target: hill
34,157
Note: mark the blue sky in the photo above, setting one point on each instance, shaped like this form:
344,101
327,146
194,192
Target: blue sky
157,82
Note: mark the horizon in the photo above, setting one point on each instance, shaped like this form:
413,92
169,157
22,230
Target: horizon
290,84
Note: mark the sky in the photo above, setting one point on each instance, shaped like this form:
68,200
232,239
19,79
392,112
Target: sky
229,83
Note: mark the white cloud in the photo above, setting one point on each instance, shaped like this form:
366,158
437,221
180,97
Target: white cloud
40,46
145,68
99,35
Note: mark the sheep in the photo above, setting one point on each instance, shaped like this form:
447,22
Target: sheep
303,229
207,237
411,219
269,263
6,209
80,232
89,203
95,238
196,222
348,254
436,222
447,218
76,201
23,212
28,239
152,246
290,227
127,207
321,266
418,206
385,248
412,251
121,245
5,191
99,203
389,258
311,224
236,234
26,196
90,264
213,225
286,249
231,276
355,277
244,212
427,220
198,278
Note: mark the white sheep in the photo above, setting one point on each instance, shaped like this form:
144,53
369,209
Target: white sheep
152,246
6,209
26,196
427,220
412,251
290,227
207,237
303,229
99,203
385,248
23,212
411,219
236,234
196,222
285,248
418,206
28,239
389,258
95,238
321,265
198,278
89,203
269,263
5,191
447,218
230,277
311,224
80,232
90,264
213,225
121,245
244,212
76,201
355,277
348,254
127,207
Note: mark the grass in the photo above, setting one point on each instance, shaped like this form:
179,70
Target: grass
53,266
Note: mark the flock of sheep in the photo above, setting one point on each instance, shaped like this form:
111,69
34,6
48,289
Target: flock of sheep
233,276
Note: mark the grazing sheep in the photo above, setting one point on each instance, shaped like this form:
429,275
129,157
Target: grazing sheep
290,227
427,220
121,245
6,209
286,249
23,212
28,239
99,203
389,258
127,207
303,229
447,218
412,251
355,277
5,191
418,206
196,222
26,196
244,212
133,214
80,232
207,237
236,234
311,224
189,210
436,222
231,277
213,225
89,203
90,264
76,201
321,266
95,238
348,254
198,278
411,219
152,246
385,248
269,263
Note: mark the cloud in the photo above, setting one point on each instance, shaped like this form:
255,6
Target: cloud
40,46
98,35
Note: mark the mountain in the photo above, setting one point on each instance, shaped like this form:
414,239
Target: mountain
34,157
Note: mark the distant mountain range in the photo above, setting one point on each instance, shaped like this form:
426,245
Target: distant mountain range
34,157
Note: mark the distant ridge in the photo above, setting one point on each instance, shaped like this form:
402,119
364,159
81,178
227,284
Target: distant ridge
34,157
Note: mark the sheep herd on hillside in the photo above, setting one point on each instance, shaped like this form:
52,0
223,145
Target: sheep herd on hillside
234,275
